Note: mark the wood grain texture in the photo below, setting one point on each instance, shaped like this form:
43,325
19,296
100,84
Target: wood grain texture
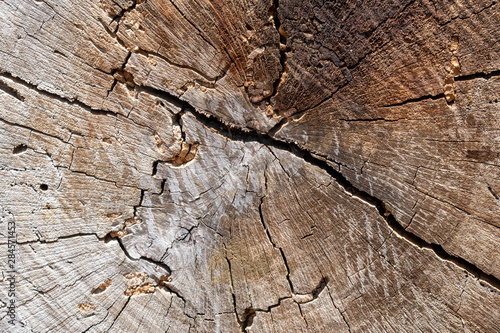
250,166
431,160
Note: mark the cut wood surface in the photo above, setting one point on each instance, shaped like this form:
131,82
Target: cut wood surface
250,166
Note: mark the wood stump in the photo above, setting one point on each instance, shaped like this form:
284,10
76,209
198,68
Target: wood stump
249,166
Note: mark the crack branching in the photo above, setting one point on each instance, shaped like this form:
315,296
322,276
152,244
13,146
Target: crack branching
117,235
261,215
345,320
160,264
237,134
248,317
66,100
337,308
119,74
124,10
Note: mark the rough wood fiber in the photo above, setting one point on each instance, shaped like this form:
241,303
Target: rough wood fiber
250,166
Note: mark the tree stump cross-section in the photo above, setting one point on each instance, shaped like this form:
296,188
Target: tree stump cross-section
249,166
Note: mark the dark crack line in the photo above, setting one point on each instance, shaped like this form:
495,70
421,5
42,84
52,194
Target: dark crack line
320,287
102,320
270,307
65,100
262,220
115,80
74,102
119,16
119,313
174,100
287,269
33,130
11,91
493,193
336,308
43,241
485,76
415,100
240,322
474,76
154,262
141,200
109,238
343,318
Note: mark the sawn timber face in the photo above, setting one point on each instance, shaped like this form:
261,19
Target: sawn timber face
158,166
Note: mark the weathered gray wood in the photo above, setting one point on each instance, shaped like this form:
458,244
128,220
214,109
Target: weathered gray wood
255,166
